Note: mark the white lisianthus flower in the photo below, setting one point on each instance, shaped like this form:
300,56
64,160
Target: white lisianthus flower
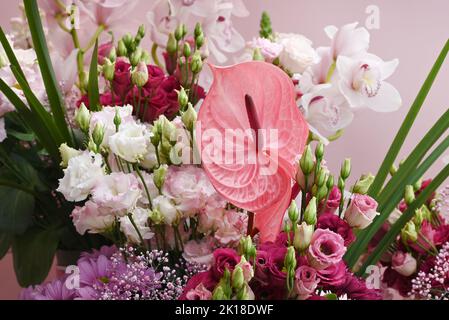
118,192
81,176
363,82
131,142
106,119
297,54
140,217
167,209
92,218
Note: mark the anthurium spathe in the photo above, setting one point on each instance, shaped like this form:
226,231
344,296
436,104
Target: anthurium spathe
251,111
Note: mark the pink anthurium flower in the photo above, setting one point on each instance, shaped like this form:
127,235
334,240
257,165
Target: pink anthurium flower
250,133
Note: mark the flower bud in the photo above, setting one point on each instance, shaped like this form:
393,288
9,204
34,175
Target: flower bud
322,193
310,213
122,51
98,134
341,183
92,146
199,41
82,118
293,212
67,153
290,259
238,280
198,30
393,170
189,118
141,31
159,176
197,64
108,70
322,177
245,246
218,294
136,56
362,186
330,182
156,217
306,163
187,51
117,119
257,55
409,195
418,185
303,236
179,32
113,54
409,233
183,98
346,169
168,129
127,40
319,151
140,75
172,44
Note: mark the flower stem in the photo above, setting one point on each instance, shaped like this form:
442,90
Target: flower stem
130,217
136,166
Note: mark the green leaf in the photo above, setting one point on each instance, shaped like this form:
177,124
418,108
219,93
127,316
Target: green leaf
93,91
16,211
5,244
33,254
391,235
407,124
22,136
48,74
406,175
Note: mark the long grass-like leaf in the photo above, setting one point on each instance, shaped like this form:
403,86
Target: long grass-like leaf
407,124
391,235
93,91
48,74
9,52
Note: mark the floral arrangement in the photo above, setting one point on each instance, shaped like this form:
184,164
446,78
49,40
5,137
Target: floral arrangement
169,177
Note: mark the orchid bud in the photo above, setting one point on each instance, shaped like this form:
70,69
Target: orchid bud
187,51
122,51
362,186
197,63
82,118
293,212
310,212
67,153
108,70
98,134
159,176
238,280
306,163
303,236
140,75
409,195
346,169
183,98
189,118
136,56
172,44
409,233
257,55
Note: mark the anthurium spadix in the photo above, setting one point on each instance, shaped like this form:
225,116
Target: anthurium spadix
250,133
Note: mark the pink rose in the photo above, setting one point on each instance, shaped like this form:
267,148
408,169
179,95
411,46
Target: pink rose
361,211
199,293
327,248
334,223
306,282
404,263
200,252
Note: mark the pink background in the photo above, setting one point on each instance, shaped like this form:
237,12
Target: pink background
412,30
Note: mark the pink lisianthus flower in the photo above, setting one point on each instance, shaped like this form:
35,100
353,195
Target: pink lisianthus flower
327,248
199,293
333,202
91,218
361,211
231,227
334,275
404,263
200,252
306,282
334,223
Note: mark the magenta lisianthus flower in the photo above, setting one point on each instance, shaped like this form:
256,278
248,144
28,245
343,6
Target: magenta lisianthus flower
356,289
306,282
361,211
122,78
334,275
207,279
334,223
326,248
224,259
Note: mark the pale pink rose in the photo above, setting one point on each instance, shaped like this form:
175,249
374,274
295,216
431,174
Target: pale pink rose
189,188
91,218
306,282
269,50
361,211
327,248
118,192
404,263
199,293
231,227
200,252
348,40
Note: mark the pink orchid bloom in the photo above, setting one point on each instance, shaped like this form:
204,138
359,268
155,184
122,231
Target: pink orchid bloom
246,99
108,13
